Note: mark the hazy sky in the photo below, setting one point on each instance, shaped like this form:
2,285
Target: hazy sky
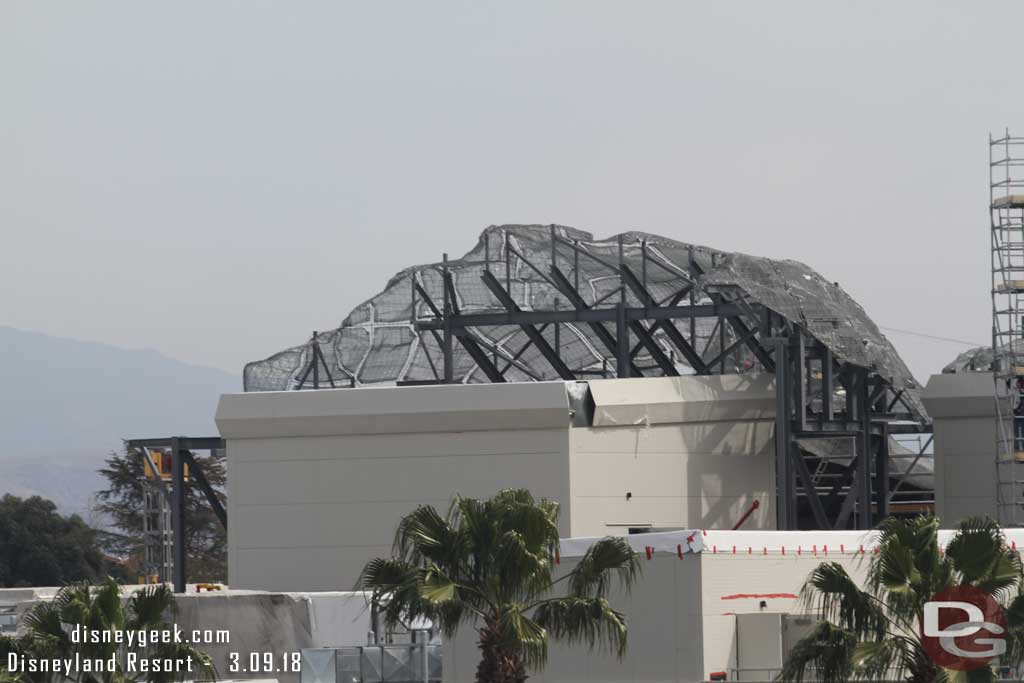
216,179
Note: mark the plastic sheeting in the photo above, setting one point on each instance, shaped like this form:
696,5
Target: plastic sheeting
675,542
377,343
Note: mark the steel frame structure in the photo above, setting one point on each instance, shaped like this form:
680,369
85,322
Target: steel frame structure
1006,212
818,396
181,449
316,362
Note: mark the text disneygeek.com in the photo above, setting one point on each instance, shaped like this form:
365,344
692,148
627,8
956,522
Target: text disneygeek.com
129,660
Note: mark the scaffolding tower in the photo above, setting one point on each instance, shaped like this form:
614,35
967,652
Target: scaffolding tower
1006,209
157,530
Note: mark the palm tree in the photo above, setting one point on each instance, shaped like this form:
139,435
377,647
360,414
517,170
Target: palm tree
873,633
48,627
490,563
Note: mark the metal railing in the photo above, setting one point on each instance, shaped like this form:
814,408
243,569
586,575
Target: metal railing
402,663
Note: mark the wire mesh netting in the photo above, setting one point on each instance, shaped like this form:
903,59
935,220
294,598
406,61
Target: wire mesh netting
378,342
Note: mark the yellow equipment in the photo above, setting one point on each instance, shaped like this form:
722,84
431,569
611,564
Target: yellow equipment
164,463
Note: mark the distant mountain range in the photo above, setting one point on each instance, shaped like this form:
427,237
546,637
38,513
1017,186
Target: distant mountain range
65,404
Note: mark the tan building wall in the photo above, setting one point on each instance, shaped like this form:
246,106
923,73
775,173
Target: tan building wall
308,507
962,407
664,642
317,480
702,475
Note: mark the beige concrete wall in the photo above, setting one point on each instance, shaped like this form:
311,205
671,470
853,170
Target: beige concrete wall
690,452
664,643
318,480
703,475
965,468
307,513
737,583
963,410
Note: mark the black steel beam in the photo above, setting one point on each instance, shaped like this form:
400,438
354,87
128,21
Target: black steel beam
827,386
623,358
799,367
576,299
447,348
663,362
531,332
810,491
479,356
864,516
726,350
882,473
195,443
196,470
783,472
759,352
852,493
665,325
610,314
833,507
178,514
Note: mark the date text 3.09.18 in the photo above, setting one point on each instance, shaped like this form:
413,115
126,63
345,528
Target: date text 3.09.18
264,662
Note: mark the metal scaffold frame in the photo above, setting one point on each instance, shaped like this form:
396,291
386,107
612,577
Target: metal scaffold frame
173,499
1006,212
818,395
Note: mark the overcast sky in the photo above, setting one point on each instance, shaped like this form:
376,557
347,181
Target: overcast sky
216,179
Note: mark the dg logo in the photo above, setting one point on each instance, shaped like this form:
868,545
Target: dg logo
963,628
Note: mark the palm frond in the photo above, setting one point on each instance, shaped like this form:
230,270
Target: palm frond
975,548
982,675
147,606
16,646
436,587
106,605
831,592
825,655
394,587
424,533
517,632
607,559
891,658
520,571
1014,630
537,524
584,620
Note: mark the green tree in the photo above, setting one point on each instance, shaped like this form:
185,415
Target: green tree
101,608
123,503
41,547
489,563
872,633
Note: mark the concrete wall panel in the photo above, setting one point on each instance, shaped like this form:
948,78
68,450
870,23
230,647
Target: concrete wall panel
665,644
687,475
389,410
342,496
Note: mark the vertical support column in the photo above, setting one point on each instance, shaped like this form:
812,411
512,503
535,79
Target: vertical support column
882,472
316,361
863,401
799,363
621,341
558,331
622,355
827,386
783,478
449,371
692,268
178,513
